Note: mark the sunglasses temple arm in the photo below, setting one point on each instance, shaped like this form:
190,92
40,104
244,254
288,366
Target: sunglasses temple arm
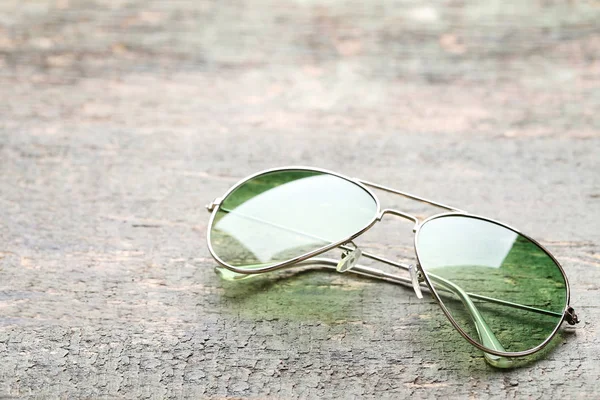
487,337
485,333
360,270
328,263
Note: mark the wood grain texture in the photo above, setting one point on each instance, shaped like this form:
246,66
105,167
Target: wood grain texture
119,120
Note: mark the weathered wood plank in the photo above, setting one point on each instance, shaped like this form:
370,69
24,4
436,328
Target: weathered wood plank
120,120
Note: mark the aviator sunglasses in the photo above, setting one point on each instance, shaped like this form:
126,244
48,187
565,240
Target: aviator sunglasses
500,289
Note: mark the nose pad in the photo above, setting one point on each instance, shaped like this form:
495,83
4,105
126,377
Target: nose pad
349,260
415,278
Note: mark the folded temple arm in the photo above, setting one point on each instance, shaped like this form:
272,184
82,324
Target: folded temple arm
486,335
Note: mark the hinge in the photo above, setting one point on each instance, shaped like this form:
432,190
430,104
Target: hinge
571,317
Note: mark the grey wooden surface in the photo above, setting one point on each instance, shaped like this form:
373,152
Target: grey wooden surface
119,120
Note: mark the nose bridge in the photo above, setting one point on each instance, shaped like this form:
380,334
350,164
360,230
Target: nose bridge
399,214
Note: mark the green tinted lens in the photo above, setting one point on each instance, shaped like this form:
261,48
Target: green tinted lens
502,289
281,215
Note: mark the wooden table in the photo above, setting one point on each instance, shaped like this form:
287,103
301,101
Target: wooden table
120,120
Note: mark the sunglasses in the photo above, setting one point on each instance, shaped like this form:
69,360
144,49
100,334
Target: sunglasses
500,289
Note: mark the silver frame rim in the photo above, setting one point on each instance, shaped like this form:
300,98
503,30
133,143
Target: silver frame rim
449,315
302,257
377,217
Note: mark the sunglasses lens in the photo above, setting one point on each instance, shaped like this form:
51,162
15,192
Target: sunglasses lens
501,288
281,215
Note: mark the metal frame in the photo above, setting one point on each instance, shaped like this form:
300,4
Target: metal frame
566,311
309,258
